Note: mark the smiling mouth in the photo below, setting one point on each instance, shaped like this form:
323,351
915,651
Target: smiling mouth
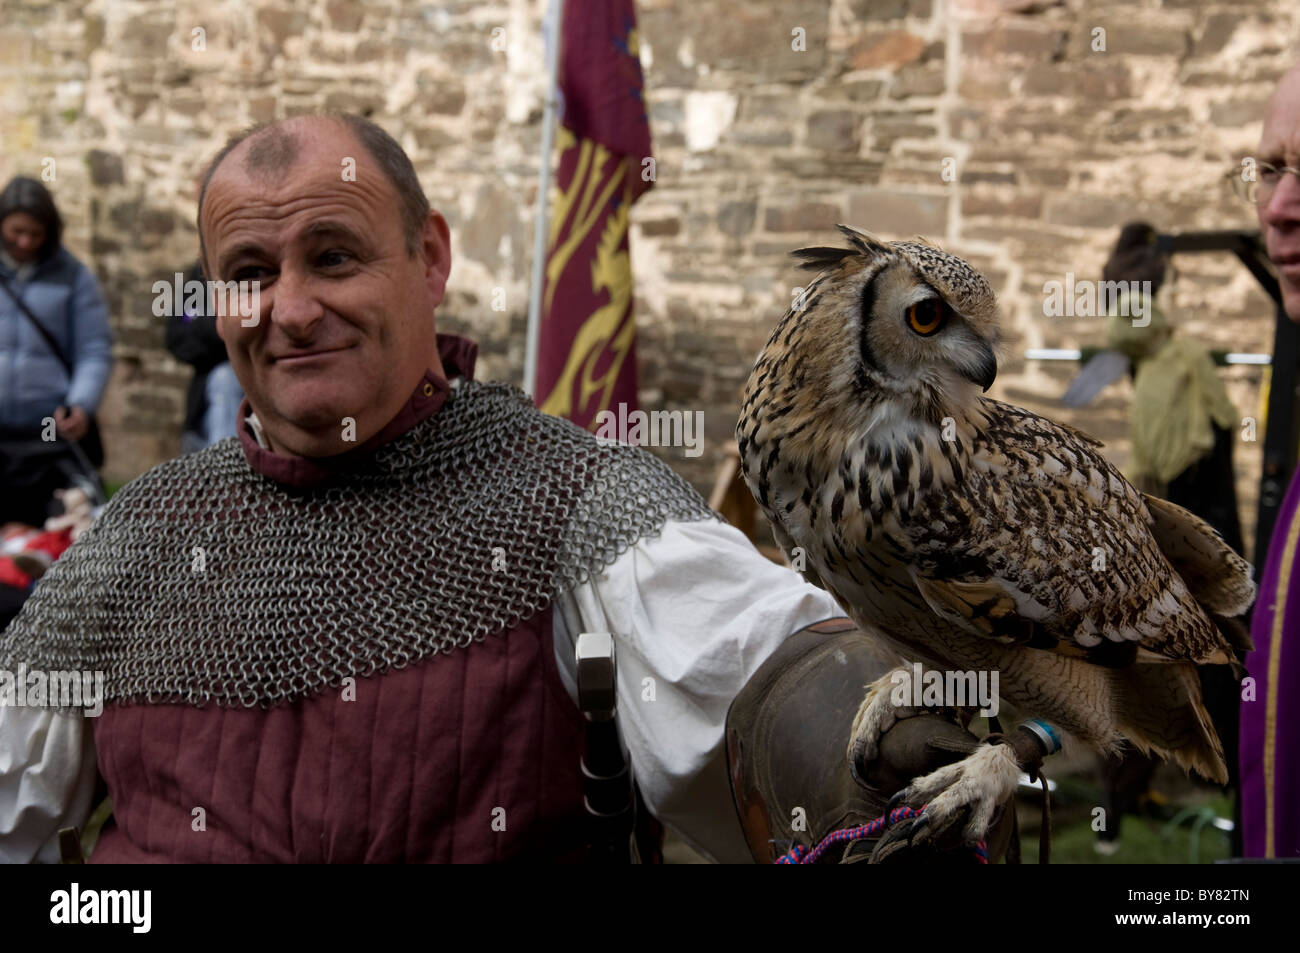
302,357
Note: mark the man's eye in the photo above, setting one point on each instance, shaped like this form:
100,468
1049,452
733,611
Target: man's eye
334,258
249,273
1268,172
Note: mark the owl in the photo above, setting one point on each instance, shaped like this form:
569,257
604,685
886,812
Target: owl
972,535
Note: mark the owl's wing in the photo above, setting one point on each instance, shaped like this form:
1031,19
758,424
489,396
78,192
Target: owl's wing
1210,567
989,607
1042,542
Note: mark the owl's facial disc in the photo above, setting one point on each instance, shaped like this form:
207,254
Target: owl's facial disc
915,344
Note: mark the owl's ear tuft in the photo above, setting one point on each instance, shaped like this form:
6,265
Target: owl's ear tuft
863,242
822,258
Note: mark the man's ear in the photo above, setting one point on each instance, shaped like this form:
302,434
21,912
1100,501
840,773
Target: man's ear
435,245
221,325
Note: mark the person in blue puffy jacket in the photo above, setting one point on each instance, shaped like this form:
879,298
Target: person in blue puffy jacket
62,378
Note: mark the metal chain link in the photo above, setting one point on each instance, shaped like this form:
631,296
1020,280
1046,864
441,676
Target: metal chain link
204,581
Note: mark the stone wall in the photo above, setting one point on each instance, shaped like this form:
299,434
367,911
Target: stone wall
773,119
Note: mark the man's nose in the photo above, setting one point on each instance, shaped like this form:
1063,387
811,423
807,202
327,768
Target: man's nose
1283,207
294,307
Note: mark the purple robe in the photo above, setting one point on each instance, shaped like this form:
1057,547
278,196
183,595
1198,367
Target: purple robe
1270,724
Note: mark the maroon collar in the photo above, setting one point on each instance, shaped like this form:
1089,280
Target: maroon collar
458,355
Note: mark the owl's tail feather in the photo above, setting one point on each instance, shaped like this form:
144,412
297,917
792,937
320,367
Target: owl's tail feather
1159,709
1218,578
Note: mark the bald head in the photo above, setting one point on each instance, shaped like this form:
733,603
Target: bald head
1281,133
273,150
270,150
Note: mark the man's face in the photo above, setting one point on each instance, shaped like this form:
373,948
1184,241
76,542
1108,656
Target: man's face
1279,217
23,236
345,328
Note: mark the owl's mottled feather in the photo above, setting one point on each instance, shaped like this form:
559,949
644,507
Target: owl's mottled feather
970,533
1043,519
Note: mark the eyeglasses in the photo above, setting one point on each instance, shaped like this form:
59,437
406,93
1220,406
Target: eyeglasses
1255,182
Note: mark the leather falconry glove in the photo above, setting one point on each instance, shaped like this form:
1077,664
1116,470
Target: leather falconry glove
791,782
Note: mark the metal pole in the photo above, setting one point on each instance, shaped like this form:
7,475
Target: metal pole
542,226
1222,358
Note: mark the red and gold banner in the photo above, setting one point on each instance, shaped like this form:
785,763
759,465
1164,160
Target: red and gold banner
586,357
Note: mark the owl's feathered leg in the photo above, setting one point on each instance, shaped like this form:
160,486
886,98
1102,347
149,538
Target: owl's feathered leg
888,699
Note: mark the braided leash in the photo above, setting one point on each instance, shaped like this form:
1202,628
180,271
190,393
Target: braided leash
799,854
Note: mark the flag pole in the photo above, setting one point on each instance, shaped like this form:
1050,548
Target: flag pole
541,229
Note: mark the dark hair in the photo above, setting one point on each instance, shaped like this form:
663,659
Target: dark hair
1135,257
28,195
281,151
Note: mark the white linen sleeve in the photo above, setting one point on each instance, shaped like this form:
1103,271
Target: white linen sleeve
47,781
694,612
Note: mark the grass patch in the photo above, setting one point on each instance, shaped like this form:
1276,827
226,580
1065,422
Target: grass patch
1147,839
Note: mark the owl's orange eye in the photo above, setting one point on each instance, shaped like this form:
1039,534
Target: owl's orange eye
926,317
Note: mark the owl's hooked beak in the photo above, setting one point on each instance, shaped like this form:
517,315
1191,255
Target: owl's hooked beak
982,366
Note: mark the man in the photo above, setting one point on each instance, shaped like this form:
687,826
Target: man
348,635
1270,741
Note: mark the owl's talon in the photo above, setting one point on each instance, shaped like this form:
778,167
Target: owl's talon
920,828
971,789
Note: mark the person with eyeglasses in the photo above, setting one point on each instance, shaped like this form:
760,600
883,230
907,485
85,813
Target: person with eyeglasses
1270,718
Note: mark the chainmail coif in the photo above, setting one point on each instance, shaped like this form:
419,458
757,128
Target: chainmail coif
206,581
